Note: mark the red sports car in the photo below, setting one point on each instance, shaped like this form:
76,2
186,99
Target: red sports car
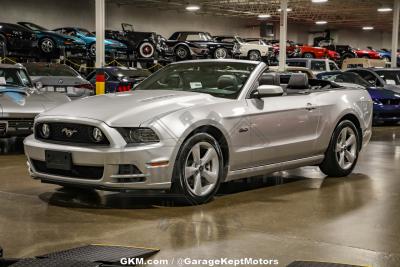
366,53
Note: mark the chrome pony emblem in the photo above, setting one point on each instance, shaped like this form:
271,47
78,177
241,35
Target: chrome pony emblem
68,132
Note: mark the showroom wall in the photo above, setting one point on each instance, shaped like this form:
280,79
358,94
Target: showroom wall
52,14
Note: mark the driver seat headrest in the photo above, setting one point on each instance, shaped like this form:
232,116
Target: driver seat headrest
228,82
298,81
269,79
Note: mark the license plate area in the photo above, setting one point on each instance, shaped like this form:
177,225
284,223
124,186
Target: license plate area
58,160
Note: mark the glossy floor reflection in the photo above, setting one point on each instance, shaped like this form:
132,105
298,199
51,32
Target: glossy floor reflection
291,215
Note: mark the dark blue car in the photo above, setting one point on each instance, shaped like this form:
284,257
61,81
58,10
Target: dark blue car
387,56
386,101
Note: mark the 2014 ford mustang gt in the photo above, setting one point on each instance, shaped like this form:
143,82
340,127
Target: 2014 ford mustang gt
195,124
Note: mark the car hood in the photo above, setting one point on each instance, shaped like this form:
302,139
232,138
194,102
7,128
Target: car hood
22,102
379,93
131,109
59,80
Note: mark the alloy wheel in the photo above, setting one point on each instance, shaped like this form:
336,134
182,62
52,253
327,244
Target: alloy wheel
201,169
255,56
47,46
220,53
181,52
346,148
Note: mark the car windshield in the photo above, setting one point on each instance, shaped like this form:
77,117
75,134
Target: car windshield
220,79
14,77
345,77
86,32
50,70
239,39
390,77
34,27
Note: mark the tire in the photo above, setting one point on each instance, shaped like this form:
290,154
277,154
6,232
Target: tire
308,55
190,171
92,50
146,50
47,46
342,154
220,53
182,52
254,55
3,46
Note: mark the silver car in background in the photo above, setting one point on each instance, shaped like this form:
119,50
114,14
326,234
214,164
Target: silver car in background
20,102
195,124
60,78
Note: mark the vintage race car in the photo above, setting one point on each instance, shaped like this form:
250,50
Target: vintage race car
195,124
20,102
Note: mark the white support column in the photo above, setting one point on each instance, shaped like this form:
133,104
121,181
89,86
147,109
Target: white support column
100,28
283,35
395,34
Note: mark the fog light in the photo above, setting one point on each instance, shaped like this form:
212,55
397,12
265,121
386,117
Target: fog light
45,130
97,135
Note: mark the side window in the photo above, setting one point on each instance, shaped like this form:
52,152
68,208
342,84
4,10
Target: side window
333,66
369,77
193,37
297,64
318,65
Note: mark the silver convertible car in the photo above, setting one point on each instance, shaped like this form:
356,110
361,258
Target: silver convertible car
195,124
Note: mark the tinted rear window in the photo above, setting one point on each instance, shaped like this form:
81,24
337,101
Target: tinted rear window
130,73
50,70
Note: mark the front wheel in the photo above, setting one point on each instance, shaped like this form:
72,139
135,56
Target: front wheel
308,55
92,49
342,154
198,169
254,55
146,50
182,52
221,53
47,46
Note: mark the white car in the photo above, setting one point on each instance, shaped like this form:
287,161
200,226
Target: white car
252,49
315,65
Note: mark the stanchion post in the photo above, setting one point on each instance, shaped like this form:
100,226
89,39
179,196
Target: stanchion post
100,81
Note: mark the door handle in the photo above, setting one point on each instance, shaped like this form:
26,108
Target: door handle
310,107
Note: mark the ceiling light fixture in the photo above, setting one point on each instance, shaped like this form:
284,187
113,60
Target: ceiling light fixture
288,9
192,8
264,16
321,22
368,28
385,9
319,1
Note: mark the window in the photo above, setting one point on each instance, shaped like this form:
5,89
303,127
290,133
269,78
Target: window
318,65
219,79
368,76
50,70
390,77
14,77
302,63
333,66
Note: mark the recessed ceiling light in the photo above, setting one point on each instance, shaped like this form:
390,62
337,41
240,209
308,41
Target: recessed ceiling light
192,8
385,9
368,28
287,9
264,16
319,1
321,22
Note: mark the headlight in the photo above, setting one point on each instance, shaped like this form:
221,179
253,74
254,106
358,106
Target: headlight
97,135
45,130
139,135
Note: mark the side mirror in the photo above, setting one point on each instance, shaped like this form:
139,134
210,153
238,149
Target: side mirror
267,91
38,85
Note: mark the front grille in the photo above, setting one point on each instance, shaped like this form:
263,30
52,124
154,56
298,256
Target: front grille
81,134
20,123
79,172
393,102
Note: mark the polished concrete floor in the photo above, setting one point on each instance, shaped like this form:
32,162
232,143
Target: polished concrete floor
296,215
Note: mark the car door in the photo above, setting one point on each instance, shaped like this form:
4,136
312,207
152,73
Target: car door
283,128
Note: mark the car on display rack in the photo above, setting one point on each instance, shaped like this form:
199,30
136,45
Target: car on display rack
386,102
20,102
386,55
120,79
368,53
51,43
195,124
345,51
250,48
51,77
185,45
112,47
315,65
16,39
143,44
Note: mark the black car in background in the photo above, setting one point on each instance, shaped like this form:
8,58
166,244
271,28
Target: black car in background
185,45
16,39
120,79
50,43
345,51
143,44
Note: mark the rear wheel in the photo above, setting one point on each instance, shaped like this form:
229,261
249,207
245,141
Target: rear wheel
146,50
92,49
221,53
182,52
198,169
47,46
342,154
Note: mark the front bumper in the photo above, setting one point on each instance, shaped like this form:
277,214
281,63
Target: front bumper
109,159
386,113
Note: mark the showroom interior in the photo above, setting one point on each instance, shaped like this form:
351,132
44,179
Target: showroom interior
200,133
